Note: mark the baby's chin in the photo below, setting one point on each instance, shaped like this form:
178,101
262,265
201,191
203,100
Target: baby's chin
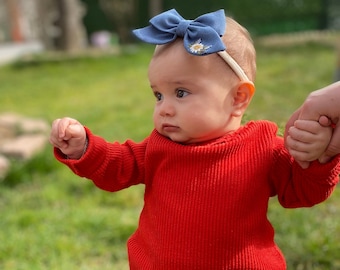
177,139
196,141
186,141
181,138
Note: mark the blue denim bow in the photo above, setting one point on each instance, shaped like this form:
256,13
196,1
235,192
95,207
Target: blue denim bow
200,36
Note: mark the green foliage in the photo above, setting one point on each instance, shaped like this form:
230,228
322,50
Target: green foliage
309,237
260,17
52,219
26,171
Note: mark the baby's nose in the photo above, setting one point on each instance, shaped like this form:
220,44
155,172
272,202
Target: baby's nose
167,108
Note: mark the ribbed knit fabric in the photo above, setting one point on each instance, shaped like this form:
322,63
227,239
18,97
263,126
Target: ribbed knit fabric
206,205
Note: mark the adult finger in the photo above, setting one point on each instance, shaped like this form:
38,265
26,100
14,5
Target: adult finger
333,147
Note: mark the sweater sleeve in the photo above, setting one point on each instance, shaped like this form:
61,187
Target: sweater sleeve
297,187
111,166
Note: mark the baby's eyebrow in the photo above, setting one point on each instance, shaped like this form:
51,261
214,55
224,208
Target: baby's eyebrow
182,82
186,83
154,87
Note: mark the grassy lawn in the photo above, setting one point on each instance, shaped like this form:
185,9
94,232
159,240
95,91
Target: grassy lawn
52,219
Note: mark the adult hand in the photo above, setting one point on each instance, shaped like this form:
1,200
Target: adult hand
324,106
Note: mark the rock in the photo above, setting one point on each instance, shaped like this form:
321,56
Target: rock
14,124
4,167
24,147
8,127
20,138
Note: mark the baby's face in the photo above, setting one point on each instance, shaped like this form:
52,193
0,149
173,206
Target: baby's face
194,95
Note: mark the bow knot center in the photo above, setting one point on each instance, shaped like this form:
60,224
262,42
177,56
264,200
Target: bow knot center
182,27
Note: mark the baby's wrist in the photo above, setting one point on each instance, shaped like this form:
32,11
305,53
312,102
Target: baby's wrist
81,153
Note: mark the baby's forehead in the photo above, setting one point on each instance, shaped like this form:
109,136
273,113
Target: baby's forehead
176,49
174,54
173,45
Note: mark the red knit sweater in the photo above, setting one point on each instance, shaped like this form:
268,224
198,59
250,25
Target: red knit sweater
206,205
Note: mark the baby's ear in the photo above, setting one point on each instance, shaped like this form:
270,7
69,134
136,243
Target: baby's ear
244,92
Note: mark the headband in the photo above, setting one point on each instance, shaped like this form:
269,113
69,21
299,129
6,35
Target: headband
201,36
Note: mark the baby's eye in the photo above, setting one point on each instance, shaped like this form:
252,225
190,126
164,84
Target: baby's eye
180,93
158,96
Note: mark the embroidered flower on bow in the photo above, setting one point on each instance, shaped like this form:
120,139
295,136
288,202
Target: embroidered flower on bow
198,47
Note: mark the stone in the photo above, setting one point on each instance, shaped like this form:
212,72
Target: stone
28,125
14,124
4,167
8,126
20,138
24,147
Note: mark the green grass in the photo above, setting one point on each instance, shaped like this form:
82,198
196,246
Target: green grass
52,219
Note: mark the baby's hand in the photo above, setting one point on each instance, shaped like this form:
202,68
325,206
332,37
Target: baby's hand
307,140
69,136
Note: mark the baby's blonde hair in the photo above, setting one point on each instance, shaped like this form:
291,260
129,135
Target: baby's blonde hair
240,47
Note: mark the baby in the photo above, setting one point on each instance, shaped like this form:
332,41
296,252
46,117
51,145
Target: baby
207,177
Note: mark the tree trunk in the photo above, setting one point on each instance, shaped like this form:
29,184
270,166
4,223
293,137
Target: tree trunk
72,31
122,14
155,7
13,8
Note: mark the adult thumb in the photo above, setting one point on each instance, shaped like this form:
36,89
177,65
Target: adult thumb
333,147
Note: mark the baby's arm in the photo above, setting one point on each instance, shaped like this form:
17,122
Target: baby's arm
69,136
307,140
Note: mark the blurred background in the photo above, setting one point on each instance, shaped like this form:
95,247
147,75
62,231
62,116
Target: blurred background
78,58
73,24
